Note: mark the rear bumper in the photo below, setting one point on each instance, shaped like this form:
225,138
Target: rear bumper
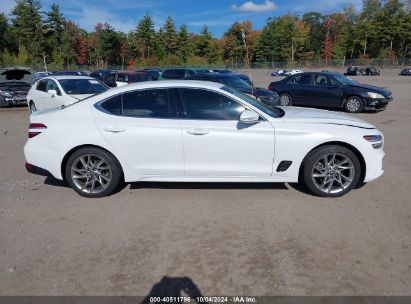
37,170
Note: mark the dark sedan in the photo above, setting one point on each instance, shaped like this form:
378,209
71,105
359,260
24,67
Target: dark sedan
330,90
406,72
229,72
100,74
266,96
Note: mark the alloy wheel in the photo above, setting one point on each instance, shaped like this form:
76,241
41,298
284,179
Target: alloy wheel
91,173
333,173
285,100
353,105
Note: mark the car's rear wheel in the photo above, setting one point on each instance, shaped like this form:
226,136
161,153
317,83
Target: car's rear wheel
331,171
354,104
93,172
286,99
32,107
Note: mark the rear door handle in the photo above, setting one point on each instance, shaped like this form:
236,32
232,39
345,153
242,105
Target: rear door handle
198,132
114,129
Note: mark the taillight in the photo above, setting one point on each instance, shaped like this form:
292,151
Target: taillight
270,87
36,126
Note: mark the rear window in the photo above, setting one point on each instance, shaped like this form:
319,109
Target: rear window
301,79
147,103
82,86
113,105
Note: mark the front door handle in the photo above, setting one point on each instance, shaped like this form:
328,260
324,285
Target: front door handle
114,129
198,132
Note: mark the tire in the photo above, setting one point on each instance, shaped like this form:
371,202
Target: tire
93,172
354,104
340,176
286,99
32,107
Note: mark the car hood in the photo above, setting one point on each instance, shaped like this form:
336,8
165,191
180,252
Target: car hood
16,75
316,116
382,91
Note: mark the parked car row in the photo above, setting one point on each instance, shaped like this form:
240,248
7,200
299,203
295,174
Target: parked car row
368,71
285,72
317,89
62,90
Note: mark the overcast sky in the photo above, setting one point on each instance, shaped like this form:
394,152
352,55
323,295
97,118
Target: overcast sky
217,14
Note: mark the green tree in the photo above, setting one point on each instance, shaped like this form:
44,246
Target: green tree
316,33
169,37
207,47
27,26
143,37
389,22
185,48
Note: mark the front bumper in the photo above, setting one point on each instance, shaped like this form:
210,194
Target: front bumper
16,100
378,104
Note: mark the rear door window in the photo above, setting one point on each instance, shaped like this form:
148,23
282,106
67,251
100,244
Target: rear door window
154,103
321,80
301,79
113,105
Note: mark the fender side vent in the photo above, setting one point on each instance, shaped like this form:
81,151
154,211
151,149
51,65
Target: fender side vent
284,165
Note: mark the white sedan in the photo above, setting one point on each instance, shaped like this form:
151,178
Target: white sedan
193,131
58,91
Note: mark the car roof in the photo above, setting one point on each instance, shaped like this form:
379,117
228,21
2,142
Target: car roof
64,77
165,84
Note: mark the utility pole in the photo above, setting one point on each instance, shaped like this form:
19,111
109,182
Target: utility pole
247,60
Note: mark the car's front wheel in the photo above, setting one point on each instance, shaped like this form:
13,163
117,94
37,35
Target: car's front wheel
354,104
331,171
286,99
93,172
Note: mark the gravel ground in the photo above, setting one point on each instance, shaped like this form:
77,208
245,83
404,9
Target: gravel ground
223,239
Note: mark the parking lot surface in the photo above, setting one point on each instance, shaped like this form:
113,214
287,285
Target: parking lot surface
224,239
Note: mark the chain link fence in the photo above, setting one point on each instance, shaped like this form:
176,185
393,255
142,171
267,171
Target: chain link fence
335,63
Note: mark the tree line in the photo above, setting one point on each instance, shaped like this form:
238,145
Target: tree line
31,36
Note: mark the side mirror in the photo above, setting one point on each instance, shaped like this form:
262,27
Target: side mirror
52,92
249,117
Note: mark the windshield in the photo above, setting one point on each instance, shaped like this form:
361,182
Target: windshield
343,80
233,82
82,86
271,111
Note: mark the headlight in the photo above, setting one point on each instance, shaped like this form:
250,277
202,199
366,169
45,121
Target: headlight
375,95
376,140
6,94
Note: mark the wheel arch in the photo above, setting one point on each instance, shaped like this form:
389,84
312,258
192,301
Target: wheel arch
343,144
74,149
